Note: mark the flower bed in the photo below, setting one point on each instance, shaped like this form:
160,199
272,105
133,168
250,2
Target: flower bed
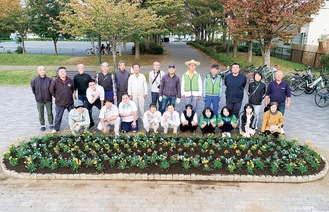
94,153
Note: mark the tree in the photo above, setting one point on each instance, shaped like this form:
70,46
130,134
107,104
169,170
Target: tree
45,17
14,17
268,21
204,17
114,21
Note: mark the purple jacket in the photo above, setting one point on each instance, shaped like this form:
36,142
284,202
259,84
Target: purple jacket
62,91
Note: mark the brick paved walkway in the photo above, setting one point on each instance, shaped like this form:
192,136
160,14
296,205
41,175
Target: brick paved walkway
303,120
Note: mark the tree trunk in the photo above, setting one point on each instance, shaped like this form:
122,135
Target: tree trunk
137,52
249,54
124,48
55,39
23,44
114,55
267,56
235,49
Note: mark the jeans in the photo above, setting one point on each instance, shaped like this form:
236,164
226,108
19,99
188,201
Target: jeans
208,129
89,107
41,109
108,95
59,115
227,127
126,126
83,98
214,100
282,107
165,101
155,98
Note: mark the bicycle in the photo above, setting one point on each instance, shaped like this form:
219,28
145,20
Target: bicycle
306,83
267,72
321,97
92,51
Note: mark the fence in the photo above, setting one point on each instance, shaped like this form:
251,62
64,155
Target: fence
298,56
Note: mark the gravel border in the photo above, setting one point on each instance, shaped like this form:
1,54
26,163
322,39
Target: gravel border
169,177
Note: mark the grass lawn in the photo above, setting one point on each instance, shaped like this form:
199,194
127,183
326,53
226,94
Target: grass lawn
59,60
21,77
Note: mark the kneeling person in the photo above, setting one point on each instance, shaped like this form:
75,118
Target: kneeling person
128,114
170,119
109,115
79,120
189,119
152,118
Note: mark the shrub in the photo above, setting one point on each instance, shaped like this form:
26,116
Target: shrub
142,48
243,48
155,48
19,50
324,61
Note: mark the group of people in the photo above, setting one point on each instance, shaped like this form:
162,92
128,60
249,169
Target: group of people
80,94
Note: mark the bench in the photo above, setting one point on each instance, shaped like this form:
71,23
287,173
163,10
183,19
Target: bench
71,73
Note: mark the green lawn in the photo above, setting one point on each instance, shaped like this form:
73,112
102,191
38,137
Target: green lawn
32,59
22,77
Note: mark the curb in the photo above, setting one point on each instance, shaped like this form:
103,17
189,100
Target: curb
170,177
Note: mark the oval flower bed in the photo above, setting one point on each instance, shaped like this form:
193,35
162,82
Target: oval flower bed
95,153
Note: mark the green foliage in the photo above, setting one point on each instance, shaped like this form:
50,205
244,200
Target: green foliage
155,49
243,48
324,61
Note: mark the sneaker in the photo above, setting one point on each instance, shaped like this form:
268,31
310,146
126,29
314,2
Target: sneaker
51,127
282,131
54,131
223,134
228,134
134,131
42,129
117,134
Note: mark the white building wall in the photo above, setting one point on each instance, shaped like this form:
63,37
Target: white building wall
318,27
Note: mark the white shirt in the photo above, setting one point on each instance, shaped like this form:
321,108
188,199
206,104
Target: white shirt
91,93
108,112
137,85
183,119
149,117
127,108
172,119
156,85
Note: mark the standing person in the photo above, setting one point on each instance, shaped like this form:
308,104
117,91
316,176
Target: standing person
151,119
212,90
137,88
272,121
81,83
79,120
128,114
248,121
170,89
191,88
256,93
121,80
170,119
40,87
155,77
109,115
208,121
189,119
62,89
95,97
106,80
279,91
226,121
235,83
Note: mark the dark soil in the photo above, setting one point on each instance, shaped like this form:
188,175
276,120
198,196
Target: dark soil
155,168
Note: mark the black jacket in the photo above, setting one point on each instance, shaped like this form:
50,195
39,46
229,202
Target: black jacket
256,93
62,91
40,88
